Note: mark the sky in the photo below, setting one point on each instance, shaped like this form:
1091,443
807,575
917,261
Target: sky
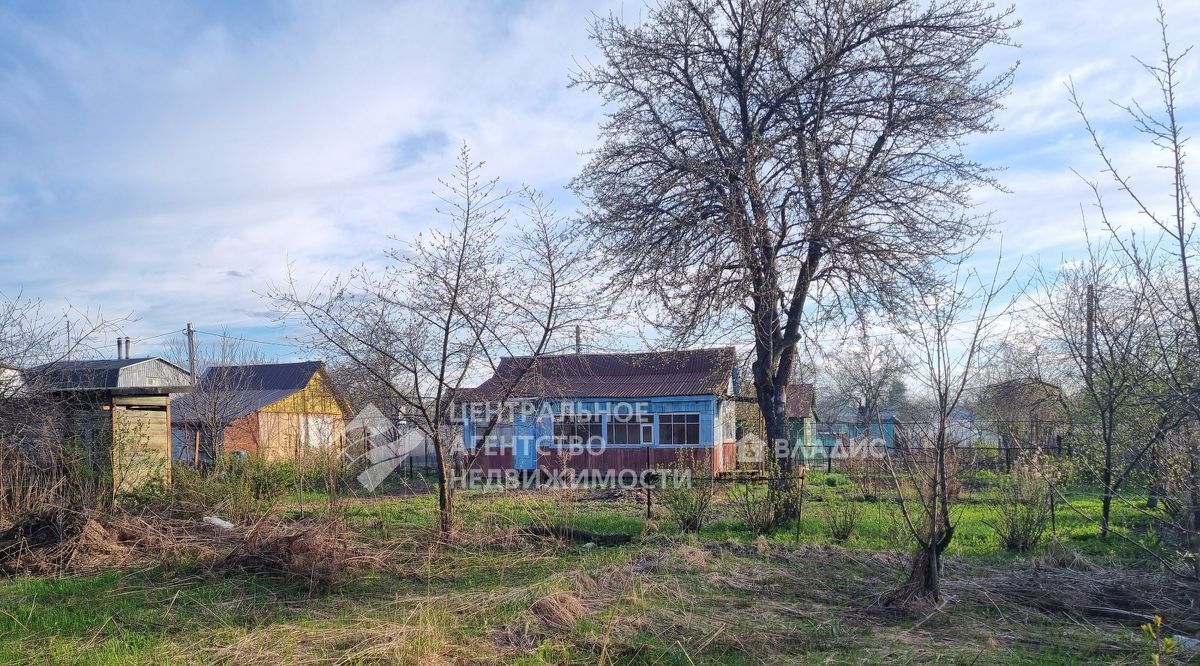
166,162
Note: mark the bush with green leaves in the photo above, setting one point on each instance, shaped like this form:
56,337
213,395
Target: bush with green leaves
753,504
836,479
233,487
764,507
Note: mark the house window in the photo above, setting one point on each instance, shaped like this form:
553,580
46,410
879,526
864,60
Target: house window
500,438
634,429
679,429
577,429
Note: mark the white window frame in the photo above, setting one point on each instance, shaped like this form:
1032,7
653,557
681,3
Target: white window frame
699,431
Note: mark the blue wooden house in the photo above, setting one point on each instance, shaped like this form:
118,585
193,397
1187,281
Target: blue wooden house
603,413
885,428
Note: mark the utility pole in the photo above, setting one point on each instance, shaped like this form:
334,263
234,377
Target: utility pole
578,343
1091,332
191,342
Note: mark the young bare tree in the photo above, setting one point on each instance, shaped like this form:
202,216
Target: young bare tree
1094,315
221,394
867,372
35,429
760,154
1163,261
451,304
949,332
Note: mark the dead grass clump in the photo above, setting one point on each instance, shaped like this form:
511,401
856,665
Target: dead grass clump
615,495
57,540
558,610
1061,556
516,637
693,557
315,551
1113,595
508,538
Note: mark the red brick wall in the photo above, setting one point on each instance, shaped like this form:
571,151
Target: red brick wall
242,435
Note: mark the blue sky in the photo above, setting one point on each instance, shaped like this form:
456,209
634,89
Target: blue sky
167,160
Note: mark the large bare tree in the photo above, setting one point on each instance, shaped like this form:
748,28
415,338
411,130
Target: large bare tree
761,154
448,306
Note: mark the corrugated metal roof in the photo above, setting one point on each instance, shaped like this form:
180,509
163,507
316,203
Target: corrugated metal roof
648,374
264,377
109,374
230,406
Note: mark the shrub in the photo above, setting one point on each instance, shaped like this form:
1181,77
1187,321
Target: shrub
753,504
835,479
841,516
233,487
1022,509
688,500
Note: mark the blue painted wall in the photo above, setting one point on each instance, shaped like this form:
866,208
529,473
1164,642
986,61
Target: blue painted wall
539,425
885,431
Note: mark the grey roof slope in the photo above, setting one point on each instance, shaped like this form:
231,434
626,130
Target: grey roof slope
107,374
637,375
238,390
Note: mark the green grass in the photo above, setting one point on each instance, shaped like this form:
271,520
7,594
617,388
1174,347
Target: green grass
665,598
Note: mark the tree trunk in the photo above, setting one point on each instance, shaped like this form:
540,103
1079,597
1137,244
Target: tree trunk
445,492
1106,479
771,398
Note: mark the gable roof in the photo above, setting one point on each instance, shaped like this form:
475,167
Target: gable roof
266,376
244,389
111,374
636,375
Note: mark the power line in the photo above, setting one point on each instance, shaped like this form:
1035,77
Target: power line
155,337
250,340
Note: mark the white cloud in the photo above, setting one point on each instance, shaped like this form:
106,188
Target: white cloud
153,154
168,159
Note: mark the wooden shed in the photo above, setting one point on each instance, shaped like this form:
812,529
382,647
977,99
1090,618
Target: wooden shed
120,412
280,411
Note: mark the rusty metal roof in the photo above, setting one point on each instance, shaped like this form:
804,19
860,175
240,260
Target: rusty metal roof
637,375
799,401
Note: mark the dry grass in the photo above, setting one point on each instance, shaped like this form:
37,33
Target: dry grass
316,551
494,594
421,636
558,610
56,541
